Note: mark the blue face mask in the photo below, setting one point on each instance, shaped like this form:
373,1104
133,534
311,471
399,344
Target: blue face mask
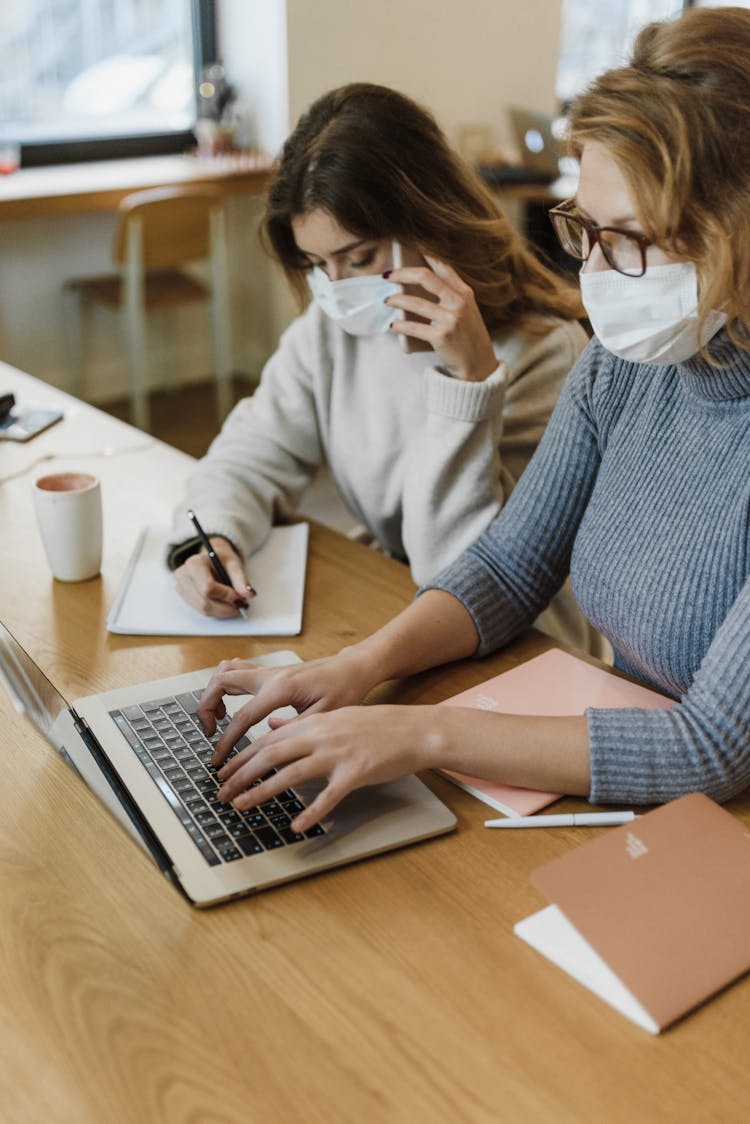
357,303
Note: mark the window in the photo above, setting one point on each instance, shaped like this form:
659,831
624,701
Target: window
90,79
598,34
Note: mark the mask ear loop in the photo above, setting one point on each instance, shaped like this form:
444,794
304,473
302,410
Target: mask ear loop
397,258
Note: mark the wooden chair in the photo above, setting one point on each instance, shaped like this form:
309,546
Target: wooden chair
158,233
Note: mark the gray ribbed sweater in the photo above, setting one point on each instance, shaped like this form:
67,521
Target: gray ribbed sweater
640,489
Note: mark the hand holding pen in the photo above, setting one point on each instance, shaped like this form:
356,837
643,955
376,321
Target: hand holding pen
214,582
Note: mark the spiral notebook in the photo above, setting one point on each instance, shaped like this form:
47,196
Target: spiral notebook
149,605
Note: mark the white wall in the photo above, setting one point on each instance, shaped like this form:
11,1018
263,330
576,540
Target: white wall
467,60
253,48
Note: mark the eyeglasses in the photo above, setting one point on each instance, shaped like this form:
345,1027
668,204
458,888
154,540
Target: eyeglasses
624,250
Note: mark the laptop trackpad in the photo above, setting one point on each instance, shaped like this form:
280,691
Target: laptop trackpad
384,813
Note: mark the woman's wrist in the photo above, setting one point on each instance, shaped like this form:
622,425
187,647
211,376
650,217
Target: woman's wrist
363,667
478,372
435,629
434,744
220,541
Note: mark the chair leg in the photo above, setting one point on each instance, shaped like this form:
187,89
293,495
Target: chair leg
136,325
137,349
169,348
222,361
73,308
220,321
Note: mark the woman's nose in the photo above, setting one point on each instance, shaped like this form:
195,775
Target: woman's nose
596,261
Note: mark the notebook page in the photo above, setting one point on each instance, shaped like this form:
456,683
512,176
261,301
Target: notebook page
149,605
550,932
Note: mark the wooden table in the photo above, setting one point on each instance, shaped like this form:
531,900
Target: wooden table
67,189
392,991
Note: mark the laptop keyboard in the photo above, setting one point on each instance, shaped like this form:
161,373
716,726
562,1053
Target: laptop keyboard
169,742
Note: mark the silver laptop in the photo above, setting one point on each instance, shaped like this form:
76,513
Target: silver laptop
538,147
143,753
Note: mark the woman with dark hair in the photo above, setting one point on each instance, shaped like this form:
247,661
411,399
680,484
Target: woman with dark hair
423,372
640,487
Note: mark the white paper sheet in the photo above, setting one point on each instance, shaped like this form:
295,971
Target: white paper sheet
550,933
148,604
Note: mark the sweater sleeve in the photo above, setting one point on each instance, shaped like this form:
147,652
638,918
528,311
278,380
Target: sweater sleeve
699,745
476,441
513,570
266,453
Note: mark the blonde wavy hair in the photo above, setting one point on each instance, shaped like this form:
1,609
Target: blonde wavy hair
676,121
379,164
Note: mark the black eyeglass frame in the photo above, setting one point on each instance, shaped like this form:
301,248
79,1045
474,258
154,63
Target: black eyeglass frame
594,232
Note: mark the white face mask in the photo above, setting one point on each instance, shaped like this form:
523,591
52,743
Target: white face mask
357,303
649,319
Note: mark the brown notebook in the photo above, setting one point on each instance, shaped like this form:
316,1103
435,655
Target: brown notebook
653,916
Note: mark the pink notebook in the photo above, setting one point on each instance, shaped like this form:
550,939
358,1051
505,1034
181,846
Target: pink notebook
555,683
653,916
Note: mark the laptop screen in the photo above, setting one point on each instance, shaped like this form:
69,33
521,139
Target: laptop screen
539,149
34,697
29,689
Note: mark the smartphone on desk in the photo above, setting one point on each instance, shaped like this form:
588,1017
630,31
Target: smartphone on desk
406,259
21,425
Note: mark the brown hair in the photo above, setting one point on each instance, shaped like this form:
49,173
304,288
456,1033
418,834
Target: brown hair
378,163
677,123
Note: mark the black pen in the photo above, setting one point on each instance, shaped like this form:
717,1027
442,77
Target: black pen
216,562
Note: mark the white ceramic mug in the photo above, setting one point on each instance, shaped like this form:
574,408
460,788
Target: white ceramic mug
68,509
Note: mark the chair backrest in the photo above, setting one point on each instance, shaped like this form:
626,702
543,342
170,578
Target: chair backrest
174,225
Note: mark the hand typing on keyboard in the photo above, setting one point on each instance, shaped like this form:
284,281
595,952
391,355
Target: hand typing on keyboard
311,688
348,747
308,687
166,738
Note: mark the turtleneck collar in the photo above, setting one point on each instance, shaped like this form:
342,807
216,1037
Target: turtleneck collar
727,382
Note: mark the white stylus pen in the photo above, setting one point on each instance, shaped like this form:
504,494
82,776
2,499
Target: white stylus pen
574,819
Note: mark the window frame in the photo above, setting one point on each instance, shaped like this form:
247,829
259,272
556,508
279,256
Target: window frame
36,154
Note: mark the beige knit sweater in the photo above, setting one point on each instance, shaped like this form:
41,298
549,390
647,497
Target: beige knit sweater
422,460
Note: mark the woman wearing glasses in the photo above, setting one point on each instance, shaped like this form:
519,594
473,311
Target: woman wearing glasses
640,488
